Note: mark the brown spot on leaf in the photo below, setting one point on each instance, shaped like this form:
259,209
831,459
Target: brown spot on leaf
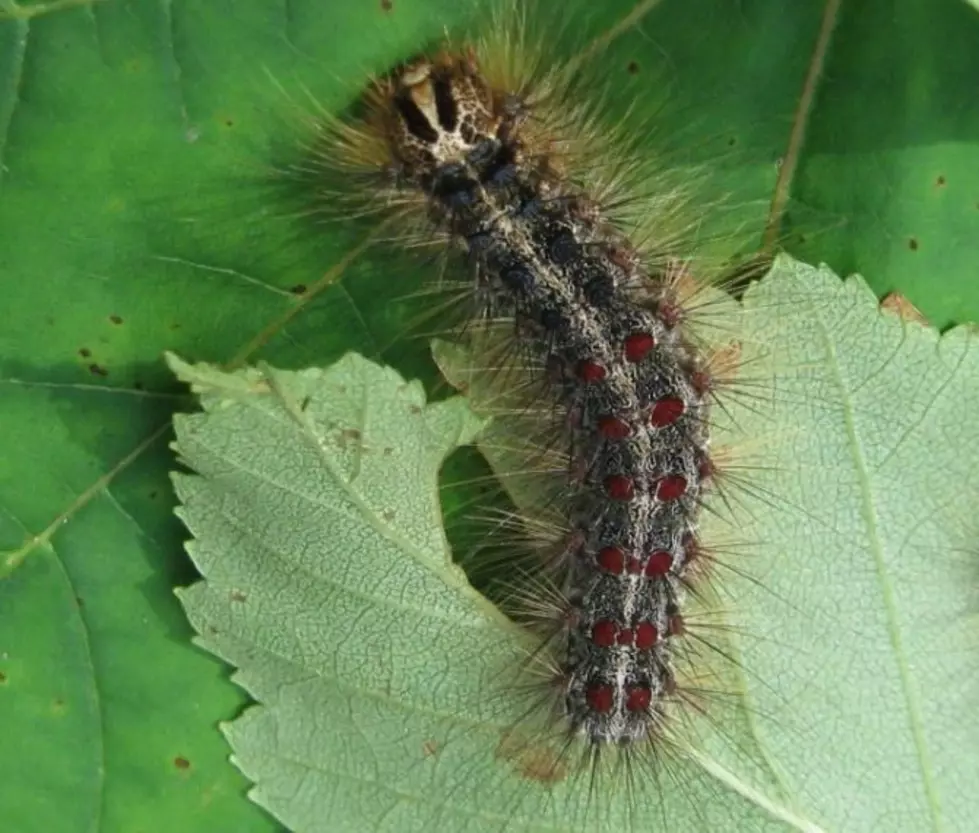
429,748
940,182
896,304
181,762
532,760
389,515
237,595
115,319
84,352
414,409
349,435
632,68
97,370
298,289
387,5
913,244
3,678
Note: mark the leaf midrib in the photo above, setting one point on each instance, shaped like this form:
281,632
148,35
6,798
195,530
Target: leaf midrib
869,514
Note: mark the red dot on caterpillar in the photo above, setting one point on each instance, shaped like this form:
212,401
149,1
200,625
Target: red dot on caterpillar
603,633
612,560
646,635
614,428
702,382
671,487
633,566
669,312
620,487
659,563
590,372
638,698
625,637
666,411
600,697
637,346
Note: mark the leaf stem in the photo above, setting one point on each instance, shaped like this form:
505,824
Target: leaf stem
790,161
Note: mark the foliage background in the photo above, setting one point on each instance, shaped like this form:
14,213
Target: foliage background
129,135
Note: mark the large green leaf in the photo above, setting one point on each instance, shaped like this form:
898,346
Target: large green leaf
329,584
129,135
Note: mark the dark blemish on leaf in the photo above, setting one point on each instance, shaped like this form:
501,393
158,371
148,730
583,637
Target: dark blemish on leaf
940,182
387,451
305,403
414,409
237,595
153,494
388,515
181,762
387,5
732,142
79,601
58,705
138,385
84,352
229,123
211,630
174,326
115,319
347,436
632,68
913,244
533,762
97,370
298,289
429,748
3,678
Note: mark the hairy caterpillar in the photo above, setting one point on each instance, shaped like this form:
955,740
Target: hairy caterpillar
574,285
515,768
582,317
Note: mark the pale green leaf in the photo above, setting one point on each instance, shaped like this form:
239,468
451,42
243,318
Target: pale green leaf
329,585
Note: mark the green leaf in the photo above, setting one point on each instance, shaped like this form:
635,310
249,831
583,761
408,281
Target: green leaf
329,585
131,136
888,182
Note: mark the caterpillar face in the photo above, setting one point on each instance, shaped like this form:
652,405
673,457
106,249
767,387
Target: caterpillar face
442,113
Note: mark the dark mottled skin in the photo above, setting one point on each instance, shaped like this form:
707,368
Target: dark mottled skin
542,253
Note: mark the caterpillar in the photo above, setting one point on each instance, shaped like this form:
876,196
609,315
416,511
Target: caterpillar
478,152
601,348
